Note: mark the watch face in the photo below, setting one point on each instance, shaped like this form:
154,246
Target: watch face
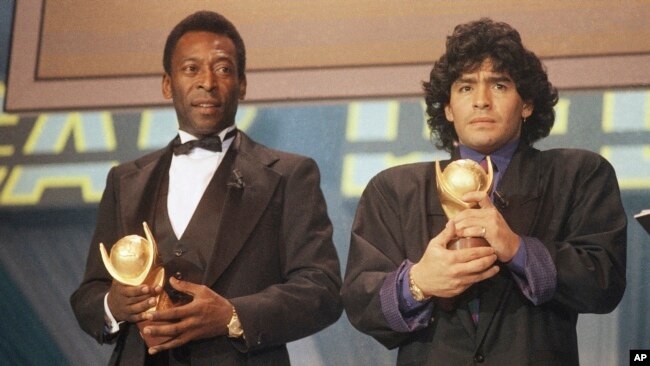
234,326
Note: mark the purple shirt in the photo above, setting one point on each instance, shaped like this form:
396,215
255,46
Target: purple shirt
532,267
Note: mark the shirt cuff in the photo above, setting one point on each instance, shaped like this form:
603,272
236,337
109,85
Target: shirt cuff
111,326
407,304
518,263
534,271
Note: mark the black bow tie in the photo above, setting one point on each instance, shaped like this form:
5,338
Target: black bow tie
212,143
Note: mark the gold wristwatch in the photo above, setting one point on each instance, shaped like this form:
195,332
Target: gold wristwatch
234,326
416,292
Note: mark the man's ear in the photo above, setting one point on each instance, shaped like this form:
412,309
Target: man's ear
242,87
449,114
527,111
167,86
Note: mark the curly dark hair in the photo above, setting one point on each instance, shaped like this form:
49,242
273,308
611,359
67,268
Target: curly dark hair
205,21
467,48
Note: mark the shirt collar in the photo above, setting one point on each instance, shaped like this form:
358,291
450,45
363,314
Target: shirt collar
501,157
185,136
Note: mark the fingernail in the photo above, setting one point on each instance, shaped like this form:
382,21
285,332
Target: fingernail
146,330
152,301
152,351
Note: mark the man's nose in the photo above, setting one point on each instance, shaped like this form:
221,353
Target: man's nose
207,80
482,97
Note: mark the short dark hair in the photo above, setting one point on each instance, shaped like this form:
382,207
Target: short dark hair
205,21
469,45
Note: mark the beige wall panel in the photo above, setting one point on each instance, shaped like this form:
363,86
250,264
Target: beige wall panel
107,54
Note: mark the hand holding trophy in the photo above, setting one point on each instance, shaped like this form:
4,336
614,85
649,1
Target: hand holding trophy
134,261
461,177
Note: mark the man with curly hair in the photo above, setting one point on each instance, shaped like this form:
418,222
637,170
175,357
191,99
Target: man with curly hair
554,223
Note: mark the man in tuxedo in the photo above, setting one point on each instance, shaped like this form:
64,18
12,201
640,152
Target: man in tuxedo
242,229
554,223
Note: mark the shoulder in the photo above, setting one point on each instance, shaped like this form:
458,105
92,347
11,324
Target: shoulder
277,160
574,159
401,179
139,163
577,166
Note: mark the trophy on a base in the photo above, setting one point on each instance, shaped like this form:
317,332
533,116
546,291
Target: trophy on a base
461,177
134,261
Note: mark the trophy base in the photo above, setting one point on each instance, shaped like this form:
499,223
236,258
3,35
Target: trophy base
151,340
470,242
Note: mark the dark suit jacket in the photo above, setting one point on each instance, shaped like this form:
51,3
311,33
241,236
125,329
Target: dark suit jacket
274,258
568,199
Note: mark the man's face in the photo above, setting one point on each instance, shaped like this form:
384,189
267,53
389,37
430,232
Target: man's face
486,109
203,84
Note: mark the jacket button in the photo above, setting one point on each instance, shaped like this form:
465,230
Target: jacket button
479,358
178,275
178,252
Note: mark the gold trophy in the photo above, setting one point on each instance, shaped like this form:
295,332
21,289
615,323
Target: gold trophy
461,177
134,261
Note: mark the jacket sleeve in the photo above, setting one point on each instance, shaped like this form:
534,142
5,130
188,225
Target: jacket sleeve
88,300
589,247
375,254
308,299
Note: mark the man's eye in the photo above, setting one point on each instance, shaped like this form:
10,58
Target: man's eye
224,70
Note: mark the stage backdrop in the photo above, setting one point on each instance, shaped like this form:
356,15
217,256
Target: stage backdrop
53,167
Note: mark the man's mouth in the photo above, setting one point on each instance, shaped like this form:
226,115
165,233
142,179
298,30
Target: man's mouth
481,120
206,106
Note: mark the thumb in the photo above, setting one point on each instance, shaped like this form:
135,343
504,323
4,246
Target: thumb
183,286
446,235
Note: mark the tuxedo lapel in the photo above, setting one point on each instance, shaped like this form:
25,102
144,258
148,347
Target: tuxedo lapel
140,190
250,188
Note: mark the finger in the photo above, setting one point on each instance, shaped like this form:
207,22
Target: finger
131,291
474,267
476,231
488,273
134,294
476,196
173,343
164,330
172,314
137,312
467,280
468,255
184,286
445,236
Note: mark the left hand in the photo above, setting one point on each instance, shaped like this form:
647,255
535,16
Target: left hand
488,223
207,315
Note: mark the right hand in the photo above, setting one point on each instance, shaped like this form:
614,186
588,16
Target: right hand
447,273
129,303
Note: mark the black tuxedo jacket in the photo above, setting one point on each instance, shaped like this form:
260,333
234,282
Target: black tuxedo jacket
273,259
568,199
